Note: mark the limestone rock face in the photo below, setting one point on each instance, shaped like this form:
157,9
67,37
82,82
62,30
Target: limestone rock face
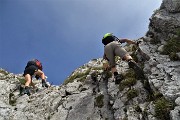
172,5
165,21
90,93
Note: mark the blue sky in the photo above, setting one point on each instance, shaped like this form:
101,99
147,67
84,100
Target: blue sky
65,34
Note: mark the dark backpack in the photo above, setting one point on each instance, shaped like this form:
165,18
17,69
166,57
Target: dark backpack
35,62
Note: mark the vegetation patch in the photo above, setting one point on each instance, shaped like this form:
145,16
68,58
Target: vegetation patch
82,79
99,101
107,74
3,72
79,75
129,80
130,74
132,93
173,56
97,68
11,100
162,109
134,56
121,87
22,80
172,47
157,95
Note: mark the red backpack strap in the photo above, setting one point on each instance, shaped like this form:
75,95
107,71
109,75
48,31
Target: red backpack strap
39,64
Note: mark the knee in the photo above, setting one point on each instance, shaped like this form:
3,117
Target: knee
28,78
127,57
39,72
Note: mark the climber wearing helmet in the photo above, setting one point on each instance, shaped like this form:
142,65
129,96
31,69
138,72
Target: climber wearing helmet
112,48
33,67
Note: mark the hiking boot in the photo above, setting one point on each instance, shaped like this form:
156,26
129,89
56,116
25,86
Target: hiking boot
139,72
26,91
44,84
118,78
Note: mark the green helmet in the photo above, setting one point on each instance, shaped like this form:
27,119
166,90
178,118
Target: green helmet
107,38
106,35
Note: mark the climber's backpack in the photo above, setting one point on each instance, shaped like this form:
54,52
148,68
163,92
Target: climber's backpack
36,63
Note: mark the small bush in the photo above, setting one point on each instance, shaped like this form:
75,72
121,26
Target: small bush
106,74
162,109
121,87
129,82
172,46
132,94
99,101
158,95
130,74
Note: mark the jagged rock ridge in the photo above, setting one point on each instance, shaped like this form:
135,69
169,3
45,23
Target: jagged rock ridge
91,94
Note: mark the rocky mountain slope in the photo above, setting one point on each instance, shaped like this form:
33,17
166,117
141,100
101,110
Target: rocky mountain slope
90,93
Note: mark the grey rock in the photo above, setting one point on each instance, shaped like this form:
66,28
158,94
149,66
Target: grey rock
172,5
